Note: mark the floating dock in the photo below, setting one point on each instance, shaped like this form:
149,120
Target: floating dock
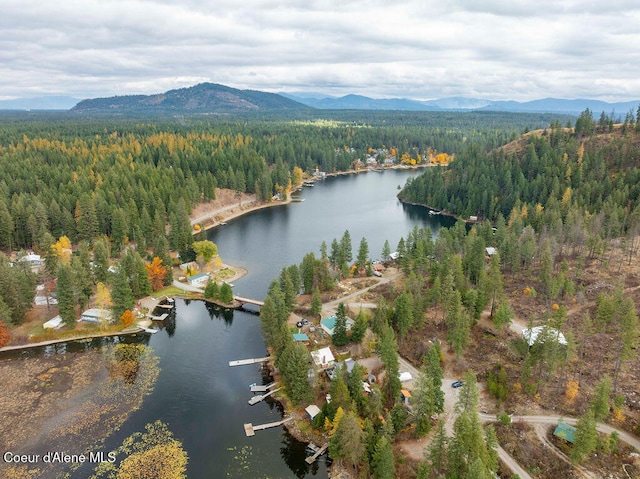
256,399
250,429
319,452
244,362
162,317
262,389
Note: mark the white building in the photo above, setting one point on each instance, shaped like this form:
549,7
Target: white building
531,335
323,358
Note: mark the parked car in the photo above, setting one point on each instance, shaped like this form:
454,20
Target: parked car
299,324
377,273
457,384
405,376
304,321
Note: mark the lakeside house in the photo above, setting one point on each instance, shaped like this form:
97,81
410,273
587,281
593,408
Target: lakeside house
323,358
312,411
54,323
328,325
199,280
97,315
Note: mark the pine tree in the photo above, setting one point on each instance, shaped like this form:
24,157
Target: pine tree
383,464
226,293
316,302
363,254
66,301
294,363
359,327
585,437
339,337
386,250
121,293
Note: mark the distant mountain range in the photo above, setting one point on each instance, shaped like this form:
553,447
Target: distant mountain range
40,103
547,105
214,98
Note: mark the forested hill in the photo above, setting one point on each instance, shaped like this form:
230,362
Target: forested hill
543,177
202,98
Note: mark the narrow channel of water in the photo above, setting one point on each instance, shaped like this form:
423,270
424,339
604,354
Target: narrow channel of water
201,398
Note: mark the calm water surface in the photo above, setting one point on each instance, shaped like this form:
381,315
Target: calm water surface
202,399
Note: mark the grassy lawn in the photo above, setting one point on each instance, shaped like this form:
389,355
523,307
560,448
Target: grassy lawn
168,291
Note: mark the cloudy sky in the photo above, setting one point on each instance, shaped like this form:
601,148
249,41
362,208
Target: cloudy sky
422,49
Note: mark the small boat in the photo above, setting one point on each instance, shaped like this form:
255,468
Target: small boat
252,385
149,330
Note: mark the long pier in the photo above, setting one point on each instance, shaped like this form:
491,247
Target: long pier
259,397
250,429
319,452
243,362
248,300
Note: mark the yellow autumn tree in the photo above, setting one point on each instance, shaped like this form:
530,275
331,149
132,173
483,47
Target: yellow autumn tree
103,296
571,390
297,175
62,250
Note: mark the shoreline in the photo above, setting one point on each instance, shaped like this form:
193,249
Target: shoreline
18,347
234,211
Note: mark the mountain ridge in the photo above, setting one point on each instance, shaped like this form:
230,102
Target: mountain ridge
200,98
216,98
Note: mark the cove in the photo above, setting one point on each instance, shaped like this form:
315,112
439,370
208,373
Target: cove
203,400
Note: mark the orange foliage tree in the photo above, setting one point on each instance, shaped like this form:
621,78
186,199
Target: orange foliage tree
4,335
127,318
157,272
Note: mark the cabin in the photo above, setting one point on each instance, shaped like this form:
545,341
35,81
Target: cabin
301,338
97,315
323,358
328,325
32,259
198,280
405,396
54,323
490,251
564,431
312,411
531,335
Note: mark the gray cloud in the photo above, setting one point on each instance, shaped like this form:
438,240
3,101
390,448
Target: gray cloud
381,48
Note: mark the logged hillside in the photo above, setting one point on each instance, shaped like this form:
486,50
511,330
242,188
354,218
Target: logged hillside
203,98
555,171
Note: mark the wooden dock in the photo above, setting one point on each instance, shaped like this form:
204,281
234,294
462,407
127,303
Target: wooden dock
319,452
244,362
250,429
260,397
162,317
248,301
262,388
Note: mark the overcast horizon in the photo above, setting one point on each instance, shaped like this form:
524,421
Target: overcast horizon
402,49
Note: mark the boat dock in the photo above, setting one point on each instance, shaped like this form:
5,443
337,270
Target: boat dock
244,362
250,429
259,397
162,317
318,453
262,389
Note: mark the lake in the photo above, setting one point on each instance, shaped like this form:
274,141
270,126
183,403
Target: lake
201,398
